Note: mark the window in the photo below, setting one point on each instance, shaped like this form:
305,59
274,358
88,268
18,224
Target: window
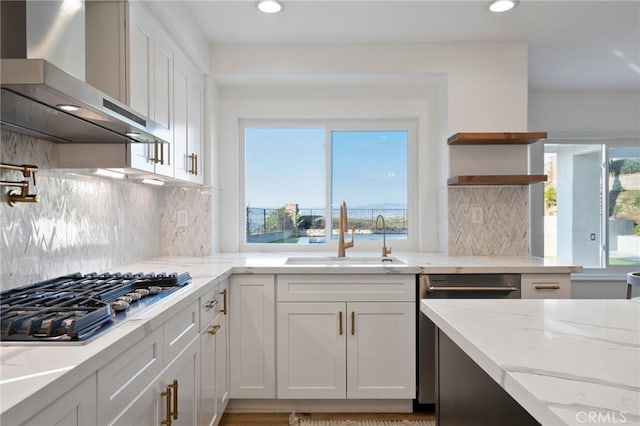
592,204
296,176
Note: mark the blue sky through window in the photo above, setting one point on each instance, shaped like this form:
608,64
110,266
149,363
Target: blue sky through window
287,165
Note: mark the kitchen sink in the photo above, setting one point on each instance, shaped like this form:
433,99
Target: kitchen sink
345,261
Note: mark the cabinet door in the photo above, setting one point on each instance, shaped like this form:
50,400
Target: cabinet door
311,349
180,117
141,76
182,377
76,407
222,351
163,96
144,410
381,350
209,412
195,128
252,336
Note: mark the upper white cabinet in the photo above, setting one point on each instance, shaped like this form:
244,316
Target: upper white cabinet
188,120
132,58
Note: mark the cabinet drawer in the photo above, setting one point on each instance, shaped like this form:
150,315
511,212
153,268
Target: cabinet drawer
180,330
346,288
546,286
120,381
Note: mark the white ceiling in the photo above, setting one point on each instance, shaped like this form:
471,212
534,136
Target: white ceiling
573,45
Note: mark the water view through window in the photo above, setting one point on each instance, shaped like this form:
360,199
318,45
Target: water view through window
297,177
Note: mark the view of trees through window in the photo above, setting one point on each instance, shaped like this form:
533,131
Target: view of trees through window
288,172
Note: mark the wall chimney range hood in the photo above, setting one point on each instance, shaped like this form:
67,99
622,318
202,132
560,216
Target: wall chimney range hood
36,96
42,87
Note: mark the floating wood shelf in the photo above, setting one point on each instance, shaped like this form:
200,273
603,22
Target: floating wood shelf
496,180
483,138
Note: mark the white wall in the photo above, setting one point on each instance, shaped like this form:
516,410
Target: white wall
485,89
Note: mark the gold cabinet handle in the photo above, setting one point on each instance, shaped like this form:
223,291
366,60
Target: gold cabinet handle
167,396
340,323
196,161
546,287
214,329
211,304
224,301
161,146
353,323
174,386
192,158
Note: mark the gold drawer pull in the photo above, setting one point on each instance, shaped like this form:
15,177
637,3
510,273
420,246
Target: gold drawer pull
353,323
167,395
175,399
224,301
214,329
546,287
211,304
340,323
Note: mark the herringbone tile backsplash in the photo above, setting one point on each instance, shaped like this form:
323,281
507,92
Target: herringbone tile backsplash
504,230
90,224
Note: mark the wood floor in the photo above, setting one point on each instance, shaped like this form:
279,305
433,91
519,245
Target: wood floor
282,419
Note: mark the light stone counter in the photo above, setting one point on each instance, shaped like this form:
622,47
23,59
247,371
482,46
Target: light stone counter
31,376
567,362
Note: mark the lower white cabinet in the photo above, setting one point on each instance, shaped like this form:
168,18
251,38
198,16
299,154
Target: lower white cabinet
252,336
172,396
354,348
545,286
214,386
77,407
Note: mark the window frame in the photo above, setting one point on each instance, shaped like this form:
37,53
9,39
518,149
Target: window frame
537,163
332,124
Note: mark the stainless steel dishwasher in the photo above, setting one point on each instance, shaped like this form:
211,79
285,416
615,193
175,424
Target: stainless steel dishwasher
452,286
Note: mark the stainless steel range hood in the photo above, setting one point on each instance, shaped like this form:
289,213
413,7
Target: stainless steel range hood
34,90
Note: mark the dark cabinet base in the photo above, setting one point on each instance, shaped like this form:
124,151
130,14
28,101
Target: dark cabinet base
466,395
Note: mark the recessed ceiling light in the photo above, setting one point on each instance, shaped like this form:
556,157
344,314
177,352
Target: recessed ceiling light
502,5
68,108
270,6
156,182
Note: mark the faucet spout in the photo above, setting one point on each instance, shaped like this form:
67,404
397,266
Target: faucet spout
386,251
343,222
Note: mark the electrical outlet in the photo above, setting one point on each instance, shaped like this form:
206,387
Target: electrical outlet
183,219
477,215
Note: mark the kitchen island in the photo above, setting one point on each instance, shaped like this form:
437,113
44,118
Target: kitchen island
565,362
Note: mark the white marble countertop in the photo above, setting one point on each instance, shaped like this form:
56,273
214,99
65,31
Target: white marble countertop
24,375
567,362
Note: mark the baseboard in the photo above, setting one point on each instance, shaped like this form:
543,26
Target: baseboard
320,406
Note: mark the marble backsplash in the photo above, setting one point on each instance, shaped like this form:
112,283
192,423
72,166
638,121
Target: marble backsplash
87,223
504,212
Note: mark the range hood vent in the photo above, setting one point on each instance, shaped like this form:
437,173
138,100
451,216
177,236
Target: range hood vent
33,91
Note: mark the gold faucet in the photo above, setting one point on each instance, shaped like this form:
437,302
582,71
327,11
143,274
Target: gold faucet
386,251
342,245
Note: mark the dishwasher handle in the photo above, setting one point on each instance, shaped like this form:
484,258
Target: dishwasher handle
431,289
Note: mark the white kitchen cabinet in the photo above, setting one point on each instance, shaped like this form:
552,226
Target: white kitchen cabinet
131,387
358,347
188,120
312,356
214,386
381,350
174,394
252,336
76,407
545,286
